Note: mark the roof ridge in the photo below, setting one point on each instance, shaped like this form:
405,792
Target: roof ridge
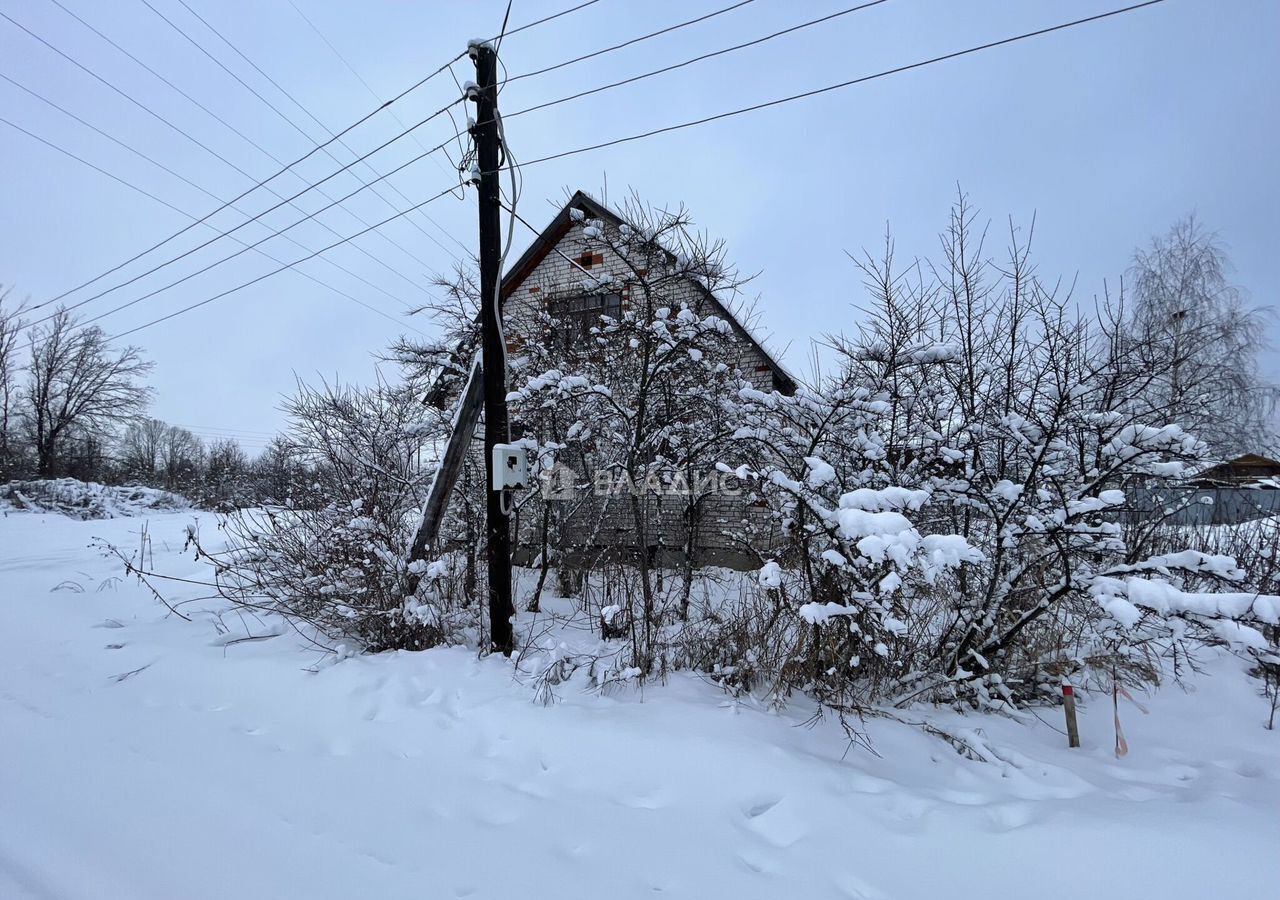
546,240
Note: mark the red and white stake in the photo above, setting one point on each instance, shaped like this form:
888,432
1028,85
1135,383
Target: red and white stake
1069,705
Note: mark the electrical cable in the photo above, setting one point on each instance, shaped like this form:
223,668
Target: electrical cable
296,127
241,431
291,265
188,137
814,92
697,59
188,181
628,43
180,211
535,23
254,187
844,84
506,17
292,124
195,101
360,121
394,115
278,232
505,504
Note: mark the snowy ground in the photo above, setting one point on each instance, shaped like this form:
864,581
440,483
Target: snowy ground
142,758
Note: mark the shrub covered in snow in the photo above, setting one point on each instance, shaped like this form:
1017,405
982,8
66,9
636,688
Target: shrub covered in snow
634,408
948,514
85,499
338,564
956,500
953,502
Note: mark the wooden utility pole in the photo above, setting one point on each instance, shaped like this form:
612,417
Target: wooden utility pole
493,352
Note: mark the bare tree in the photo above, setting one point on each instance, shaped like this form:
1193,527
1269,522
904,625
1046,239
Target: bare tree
339,565
181,457
637,369
438,367
140,448
10,328
226,475
962,501
78,383
279,474
1199,329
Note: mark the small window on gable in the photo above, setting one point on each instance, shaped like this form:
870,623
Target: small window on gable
585,260
574,317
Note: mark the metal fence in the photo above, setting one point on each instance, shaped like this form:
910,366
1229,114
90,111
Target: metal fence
1205,506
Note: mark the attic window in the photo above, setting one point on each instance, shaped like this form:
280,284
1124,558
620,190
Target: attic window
574,317
585,260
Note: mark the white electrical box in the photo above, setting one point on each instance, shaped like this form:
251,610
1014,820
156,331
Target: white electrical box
510,467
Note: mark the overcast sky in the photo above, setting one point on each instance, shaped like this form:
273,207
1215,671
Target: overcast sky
1107,133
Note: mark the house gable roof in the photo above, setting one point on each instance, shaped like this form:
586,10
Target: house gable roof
1250,466
550,237
1253,459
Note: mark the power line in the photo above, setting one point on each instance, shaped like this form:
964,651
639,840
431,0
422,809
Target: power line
665,69
357,123
697,59
563,12
180,211
177,209
530,109
220,235
182,133
844,84
267,275
502,32
249,443
75,62
394,115
628,43
253,441
275,159
573,263
691,61
162,78
259,184
226,434
728,114
289,121
184,179
799,96
236,431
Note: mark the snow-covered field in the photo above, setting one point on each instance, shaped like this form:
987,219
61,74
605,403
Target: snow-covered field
141,756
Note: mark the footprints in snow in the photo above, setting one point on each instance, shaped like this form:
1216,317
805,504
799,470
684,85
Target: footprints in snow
781,822
759,809
776,821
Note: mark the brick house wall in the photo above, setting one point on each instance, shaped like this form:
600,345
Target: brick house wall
558,269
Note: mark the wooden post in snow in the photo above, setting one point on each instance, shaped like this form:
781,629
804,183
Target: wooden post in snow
1069,705
442,483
